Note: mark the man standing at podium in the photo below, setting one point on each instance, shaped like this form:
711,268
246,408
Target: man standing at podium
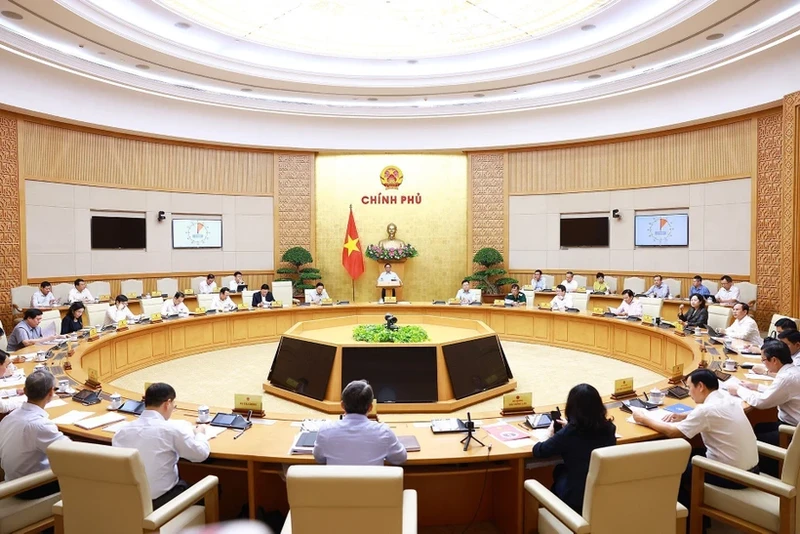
386,277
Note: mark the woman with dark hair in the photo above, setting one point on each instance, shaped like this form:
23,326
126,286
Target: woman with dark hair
72,321
586,428
698,315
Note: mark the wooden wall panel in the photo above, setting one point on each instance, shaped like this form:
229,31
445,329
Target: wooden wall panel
487,204
53,154
11,231
790,202
295,176
718,152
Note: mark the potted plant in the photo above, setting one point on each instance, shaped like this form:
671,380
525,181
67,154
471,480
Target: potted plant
301,279
490,281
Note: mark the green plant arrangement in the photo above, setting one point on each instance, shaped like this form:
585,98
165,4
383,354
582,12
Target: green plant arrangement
378,333
374,252
301,279
490,281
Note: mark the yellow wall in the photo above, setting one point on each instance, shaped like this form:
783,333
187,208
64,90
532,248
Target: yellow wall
437,228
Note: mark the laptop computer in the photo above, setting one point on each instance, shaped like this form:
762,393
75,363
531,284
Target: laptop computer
241,287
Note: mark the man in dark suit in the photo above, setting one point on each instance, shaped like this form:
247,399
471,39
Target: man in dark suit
260,298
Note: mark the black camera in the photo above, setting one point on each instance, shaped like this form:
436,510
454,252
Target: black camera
391,321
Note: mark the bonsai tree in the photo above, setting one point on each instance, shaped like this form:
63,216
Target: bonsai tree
301,279
489,280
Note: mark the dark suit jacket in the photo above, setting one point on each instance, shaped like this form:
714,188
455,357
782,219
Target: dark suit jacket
70,325
575,448
695,317
257,298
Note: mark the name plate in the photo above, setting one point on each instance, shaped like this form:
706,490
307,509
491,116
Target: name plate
326,302
453,301
188,291
132,295
122,324
679,327
242,307
623,386
597,311
677,370
500,303
647,319
199,310
103,297
518,402
93,374
527,288
245,402
545,306
155,294
388,300
155,317
581,290
277,304
92,334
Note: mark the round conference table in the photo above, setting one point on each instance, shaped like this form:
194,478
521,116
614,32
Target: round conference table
449,481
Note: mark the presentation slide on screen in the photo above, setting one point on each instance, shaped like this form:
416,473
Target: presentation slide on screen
196,233
662,230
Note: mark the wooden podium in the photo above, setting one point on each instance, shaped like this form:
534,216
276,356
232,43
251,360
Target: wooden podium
399,270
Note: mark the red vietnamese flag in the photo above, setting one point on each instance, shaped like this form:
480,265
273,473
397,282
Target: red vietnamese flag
352,258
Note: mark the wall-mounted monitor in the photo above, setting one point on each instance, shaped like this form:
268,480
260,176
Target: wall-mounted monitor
196,233
476,365
396,374
661,230
584,231
302,366
117,233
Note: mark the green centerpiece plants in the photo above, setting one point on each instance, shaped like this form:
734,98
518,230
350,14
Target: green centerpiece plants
378,333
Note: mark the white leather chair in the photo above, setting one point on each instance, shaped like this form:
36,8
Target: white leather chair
225,282
23,516
651,306
168,286
775,317
21,297
196,284
204,301
549,281
3,338
106,489
247,297
152,305
477,293
719,317
674,287
635,284
580,301
580,279
748,293
51,322
611,282
345,499
308,294
767,504
712,286
95,314
61,291
100,288
618,476
130,286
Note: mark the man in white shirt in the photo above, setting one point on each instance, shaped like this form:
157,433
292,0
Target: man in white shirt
319,294
161,443
388,275
13,398
537,281
464,295
222,302
80,292
175,306
659,289
722,424
44,298
790,338
355,440
728,293
562,300
208,285
27,332
26,433
630,306
744,327
569,283
118,311
237,281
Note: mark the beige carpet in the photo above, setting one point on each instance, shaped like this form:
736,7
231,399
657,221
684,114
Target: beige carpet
213,377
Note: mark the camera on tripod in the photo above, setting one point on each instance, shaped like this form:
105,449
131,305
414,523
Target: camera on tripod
391,321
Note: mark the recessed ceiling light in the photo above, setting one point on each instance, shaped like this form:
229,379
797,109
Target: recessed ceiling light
81,46
13,15
412,61
479,95
143,67
372,99
594,76
246,90
715,36
588,27
183,25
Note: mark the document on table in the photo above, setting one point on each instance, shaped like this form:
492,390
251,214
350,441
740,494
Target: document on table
115,427
212,432
753,376
72,417
102,420
14,380
55,403
657,414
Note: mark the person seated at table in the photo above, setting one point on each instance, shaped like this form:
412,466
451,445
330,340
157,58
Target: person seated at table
262,298
790,338
464,295
175,306
698,288
238,280
9,403
562,300
728,293
354,439
659,289
569,283
118,311
698,314
319,294
388,275
722,424
161,444
744,327
587,427
784,323
73,320
516,296
538,281
27,332
208,285
44,298
599,285
80,292
630,306
26,433
222,302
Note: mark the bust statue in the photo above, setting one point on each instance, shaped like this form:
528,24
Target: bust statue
392,241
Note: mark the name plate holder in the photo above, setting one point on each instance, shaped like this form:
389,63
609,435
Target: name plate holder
245,404
93,336
188,292
647,320
199,311
453,302
122,325
390,300
132,295
156,318
93,382
277,304
545,306
517,404
677,374
104,298
580,290
679,330
623,389
326,302
499,303
598,311
527,288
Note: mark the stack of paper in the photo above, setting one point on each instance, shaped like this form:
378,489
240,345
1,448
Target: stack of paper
214,431
657,414
72,417
102,420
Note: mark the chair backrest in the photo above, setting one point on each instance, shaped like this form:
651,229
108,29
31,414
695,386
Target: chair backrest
61,291
196,284
674,287
748,292
308,293
611,282
719,316
712,286
96,313
21,296
635,284
349,497
151,306
775,318
623,474
477,293
51,322
168,286
580,301
131,286
651,306
100,288
247,297
580,279
549,281
3,338
100,485
204,301
225,281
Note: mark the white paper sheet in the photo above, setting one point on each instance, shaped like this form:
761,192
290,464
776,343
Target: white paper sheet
72,417
101,420
55,403
753,376
267,422
658,414
115,427
518,443
422,425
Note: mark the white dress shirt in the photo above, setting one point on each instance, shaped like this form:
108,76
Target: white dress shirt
725,430
316,298
634,309
40,300
466,296
538,285
572,287
355,440
385,277
796,358
169,308
561,303
160,443
223,305
206,288
783,392
75,295
727,294
25,435
9,404
115,315
745,329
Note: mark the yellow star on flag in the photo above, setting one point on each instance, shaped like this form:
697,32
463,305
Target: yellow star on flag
351,245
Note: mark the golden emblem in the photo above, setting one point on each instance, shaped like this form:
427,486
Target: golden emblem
391,177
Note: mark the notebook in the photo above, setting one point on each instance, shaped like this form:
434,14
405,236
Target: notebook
102,420
410,443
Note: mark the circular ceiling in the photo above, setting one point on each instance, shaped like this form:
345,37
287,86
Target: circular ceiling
386,29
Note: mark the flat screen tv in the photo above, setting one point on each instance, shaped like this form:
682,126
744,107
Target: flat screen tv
476,366
118,232
302,366
661,230
196,233
584,232
396,374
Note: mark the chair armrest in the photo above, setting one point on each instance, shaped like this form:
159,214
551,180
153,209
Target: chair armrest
569,517
681,511
58,508
771,451
409,512
193,494
768,485
21,484
787,429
